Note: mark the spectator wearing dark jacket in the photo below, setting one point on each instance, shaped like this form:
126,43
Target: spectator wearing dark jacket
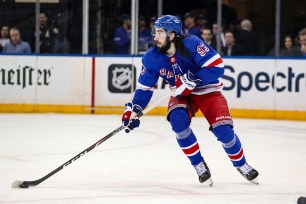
231,48
207,37
247,39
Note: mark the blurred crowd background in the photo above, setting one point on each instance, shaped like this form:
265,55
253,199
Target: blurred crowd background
248,27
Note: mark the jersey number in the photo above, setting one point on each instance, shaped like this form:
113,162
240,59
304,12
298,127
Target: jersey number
202,49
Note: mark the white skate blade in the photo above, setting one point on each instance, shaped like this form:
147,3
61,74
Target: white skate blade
209,182
254,181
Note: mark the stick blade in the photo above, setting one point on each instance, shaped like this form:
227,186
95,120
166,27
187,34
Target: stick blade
19,184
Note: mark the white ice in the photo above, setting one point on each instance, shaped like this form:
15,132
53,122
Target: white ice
146,165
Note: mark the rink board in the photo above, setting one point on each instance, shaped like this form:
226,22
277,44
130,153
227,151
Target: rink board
254,88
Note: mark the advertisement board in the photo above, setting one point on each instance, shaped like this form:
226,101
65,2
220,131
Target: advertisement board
272,88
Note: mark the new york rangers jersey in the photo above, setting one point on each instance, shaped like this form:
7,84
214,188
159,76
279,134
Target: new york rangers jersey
203,64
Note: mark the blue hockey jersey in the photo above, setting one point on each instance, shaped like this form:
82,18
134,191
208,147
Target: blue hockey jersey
203,63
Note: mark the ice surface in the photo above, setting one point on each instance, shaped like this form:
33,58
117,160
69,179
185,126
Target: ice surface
146,165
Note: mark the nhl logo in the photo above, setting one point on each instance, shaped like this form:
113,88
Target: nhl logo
121,78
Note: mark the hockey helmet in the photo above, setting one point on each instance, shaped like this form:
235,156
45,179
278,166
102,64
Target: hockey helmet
169,23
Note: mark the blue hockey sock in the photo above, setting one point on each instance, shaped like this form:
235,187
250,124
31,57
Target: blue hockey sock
180,122
231,144
189,144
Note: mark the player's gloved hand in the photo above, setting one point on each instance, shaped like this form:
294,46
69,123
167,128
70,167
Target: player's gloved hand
185,84
129,117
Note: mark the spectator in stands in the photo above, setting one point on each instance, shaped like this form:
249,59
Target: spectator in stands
230,49
122,36
302,38
201,21
144,35
215,29
289,48
207,37
247,39
152,21
234,26
61,43
4,36
190,26
16,45
151,24
48,33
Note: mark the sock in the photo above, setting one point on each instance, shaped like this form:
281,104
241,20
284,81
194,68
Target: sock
180,122
189,144
231,144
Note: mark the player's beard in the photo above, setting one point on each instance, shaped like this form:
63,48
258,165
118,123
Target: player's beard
165,47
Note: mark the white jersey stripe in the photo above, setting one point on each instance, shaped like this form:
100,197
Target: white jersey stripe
211,60
208,89
144,88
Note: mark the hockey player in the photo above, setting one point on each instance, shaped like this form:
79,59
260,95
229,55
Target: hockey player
192,69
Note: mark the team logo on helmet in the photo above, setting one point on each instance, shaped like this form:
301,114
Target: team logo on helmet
176,20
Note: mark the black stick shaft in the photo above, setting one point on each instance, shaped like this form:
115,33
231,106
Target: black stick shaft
36,182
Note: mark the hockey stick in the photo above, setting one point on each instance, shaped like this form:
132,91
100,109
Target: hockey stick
26,184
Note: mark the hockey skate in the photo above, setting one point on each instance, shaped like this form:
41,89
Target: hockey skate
204,173
249,173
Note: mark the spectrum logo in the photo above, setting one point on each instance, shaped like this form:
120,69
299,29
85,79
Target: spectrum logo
263,81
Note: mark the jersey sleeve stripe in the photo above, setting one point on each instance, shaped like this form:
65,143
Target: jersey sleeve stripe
145,88
208,89
214,61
